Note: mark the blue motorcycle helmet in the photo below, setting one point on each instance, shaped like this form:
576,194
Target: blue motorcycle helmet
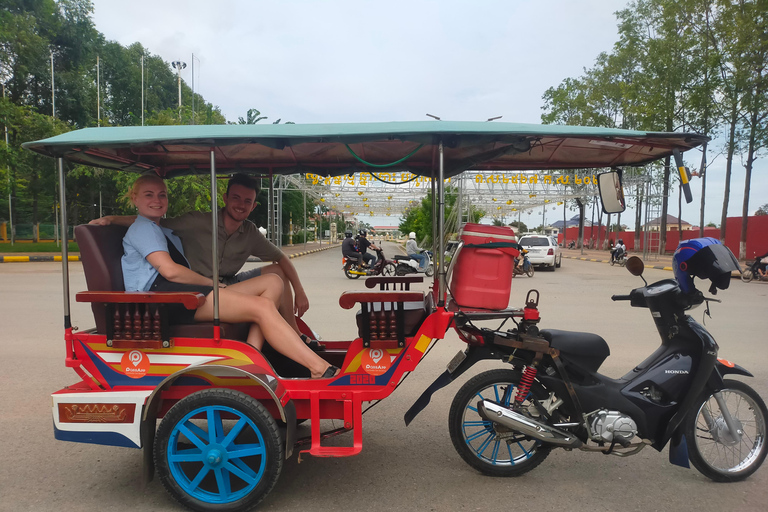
705,258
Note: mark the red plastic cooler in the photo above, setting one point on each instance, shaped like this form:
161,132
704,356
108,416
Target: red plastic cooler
482,277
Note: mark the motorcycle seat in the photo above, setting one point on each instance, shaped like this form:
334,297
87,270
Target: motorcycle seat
586,349
401,257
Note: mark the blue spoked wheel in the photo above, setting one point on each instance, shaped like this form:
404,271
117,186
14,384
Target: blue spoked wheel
490,447
218,449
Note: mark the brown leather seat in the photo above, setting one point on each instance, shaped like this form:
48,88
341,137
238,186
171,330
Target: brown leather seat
101,248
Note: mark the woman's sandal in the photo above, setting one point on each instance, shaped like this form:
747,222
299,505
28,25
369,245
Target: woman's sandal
314,345
331,372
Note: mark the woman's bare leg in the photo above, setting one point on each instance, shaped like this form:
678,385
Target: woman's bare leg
269,285
238,307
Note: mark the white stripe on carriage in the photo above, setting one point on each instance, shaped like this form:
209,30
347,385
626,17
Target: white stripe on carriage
116,357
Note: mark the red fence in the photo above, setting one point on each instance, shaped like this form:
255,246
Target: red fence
757,236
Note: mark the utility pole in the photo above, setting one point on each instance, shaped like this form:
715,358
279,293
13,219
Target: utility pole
55,187
98,94
142,89
10,195
178,65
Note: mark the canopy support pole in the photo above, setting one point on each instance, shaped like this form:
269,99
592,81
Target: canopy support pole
65,245
215,248
438,257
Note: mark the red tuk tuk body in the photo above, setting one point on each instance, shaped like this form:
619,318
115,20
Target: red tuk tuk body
218,446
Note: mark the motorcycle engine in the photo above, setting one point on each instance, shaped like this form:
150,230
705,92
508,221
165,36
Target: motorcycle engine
612,425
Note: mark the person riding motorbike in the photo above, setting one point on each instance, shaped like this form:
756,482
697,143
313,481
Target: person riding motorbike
349,248
414,252
618,251
363,244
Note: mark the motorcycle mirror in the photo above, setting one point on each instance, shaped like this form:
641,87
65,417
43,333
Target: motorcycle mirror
635,266
611,191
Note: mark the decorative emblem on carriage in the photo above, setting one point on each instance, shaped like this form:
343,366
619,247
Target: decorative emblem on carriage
96,413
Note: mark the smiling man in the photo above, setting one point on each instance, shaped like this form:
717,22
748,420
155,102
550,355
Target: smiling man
239,238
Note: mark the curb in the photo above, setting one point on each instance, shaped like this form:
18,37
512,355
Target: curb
657,267
49,259
25,259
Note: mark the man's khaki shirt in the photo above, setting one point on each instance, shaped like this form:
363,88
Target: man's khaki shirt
195,231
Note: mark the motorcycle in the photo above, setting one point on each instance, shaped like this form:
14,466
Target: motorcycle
572,244
618,256
382,267
524,268
752,271
407,265
504,422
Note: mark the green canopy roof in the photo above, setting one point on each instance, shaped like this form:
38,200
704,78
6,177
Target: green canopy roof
344,148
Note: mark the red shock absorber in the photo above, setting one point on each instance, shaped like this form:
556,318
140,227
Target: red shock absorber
529,374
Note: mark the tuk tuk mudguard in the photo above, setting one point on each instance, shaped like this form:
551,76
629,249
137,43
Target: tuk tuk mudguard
268,382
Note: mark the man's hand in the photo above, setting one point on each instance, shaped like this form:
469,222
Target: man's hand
301,303
101,221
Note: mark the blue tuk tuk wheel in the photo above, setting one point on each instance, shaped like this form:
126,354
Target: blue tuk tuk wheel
218,449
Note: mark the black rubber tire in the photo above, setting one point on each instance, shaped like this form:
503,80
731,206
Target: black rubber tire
348,267
430,270
270,462
612,262
560,261
389,270
747,275
530,271
745,406
463,410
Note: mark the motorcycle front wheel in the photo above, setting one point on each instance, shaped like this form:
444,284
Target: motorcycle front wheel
712,448
486,446
388,270
529,271
747,275
430,270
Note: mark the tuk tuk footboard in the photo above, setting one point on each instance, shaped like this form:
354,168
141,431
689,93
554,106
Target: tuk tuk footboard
353,420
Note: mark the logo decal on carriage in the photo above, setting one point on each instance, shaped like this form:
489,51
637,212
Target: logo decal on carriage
376,361
135,364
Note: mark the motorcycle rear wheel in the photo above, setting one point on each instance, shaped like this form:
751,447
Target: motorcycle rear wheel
348,268
712,449
747,275
478,441
388,270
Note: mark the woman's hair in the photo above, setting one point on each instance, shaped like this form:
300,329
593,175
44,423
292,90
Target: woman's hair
141,180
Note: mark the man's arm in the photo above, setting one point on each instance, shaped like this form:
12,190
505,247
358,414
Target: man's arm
301,301
120,220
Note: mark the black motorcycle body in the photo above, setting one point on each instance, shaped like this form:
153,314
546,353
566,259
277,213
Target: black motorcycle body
383,267
505,422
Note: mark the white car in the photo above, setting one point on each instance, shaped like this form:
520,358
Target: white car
542,250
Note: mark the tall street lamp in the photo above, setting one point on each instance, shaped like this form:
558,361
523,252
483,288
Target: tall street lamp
178,65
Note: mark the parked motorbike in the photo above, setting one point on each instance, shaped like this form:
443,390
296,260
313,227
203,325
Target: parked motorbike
407,265
526,267
572,244
752,271
504,422
383,267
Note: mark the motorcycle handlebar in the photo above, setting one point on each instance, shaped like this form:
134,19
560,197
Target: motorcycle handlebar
620,297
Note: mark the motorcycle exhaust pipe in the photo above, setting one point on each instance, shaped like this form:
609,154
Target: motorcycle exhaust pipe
491,411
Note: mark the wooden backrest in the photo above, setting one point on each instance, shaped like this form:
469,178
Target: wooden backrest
101,248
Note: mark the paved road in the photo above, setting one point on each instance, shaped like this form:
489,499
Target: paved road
400,468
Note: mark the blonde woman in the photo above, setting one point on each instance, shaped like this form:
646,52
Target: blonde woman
153,260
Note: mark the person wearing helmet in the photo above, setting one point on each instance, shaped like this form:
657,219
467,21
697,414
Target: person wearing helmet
618,252
705,258
349,248
363,244
414,252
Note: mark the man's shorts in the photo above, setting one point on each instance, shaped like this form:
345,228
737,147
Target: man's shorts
241,276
